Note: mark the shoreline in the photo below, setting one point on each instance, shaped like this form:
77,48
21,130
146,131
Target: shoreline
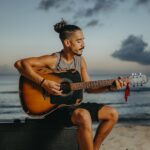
123,121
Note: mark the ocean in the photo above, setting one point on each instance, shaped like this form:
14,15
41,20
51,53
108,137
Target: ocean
136,109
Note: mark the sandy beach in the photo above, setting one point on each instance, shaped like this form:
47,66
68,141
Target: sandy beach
128,137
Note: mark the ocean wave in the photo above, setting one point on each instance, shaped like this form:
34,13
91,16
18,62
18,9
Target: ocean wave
145,120
9,92
136,89
141,89
7,112
9,106
123,105
135,120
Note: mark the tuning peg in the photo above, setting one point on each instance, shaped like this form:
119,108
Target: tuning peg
140,74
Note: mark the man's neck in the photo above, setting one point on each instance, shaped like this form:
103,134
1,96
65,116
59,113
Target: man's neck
68,55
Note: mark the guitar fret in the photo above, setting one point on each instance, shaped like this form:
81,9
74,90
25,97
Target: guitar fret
103,83
90,84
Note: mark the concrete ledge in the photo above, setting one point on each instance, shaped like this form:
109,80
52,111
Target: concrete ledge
36,135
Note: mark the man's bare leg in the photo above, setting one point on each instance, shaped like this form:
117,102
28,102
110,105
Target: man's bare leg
109,116
82,119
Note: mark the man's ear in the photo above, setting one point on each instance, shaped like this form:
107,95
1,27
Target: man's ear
67,42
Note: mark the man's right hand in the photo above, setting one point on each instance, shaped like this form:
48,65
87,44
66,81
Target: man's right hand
52,87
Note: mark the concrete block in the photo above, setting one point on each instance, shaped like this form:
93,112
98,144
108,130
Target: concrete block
36,135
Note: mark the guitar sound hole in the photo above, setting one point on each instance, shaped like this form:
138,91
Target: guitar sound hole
65,87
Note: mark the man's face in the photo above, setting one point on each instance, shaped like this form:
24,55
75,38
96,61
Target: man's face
77,42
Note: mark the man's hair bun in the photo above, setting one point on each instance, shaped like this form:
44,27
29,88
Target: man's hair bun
65,30
58,27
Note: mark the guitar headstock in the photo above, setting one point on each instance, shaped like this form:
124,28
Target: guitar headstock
138,79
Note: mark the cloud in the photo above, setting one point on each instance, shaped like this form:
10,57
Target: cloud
96,5
47,4
142,2
83,9
145,3
87,9
133,49
92,23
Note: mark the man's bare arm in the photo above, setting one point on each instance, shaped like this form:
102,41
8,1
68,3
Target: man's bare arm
86,77
28,66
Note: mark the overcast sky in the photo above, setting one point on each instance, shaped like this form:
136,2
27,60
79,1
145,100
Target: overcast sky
117,32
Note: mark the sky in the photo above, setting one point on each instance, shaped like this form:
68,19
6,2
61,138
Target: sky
117,32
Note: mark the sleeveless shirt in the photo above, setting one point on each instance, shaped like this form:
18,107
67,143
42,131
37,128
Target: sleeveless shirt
62,65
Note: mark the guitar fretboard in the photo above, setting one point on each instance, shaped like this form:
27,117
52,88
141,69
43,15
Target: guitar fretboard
91,84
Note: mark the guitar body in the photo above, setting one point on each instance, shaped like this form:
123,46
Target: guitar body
37,102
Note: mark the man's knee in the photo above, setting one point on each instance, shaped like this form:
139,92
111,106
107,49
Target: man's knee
114,114
108,113
81,117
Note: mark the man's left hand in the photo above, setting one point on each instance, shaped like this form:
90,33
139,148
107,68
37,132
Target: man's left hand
118,84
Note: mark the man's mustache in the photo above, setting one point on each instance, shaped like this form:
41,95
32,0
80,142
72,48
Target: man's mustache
81,48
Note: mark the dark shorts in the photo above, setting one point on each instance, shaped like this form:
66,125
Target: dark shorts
62,116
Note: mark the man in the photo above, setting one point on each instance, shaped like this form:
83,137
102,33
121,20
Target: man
80,115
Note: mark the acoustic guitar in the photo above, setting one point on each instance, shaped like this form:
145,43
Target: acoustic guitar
37,102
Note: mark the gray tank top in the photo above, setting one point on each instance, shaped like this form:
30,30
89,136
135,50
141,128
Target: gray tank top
62,65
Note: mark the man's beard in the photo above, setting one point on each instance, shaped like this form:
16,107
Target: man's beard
78,52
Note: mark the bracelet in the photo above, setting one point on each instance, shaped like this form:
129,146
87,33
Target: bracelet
42,82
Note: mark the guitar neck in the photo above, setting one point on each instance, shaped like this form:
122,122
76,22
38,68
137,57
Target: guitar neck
91,84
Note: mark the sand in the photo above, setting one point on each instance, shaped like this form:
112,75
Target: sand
128,137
